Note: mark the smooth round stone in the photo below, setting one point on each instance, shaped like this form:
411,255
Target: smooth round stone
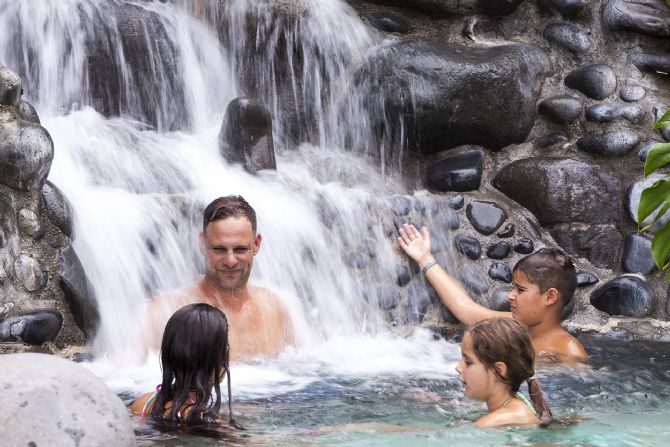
485,217
585,279
596,81
451,221
400,205
499,299
26,153
427,207
460,173
468,245
28,222
645,148
58,208
524,246
473,281
456,202
626,295
499,250
632,92
605,113
610,143
551,139
563,109
418,300
31,273
650,17
567,36
637,257
568,8
51,401
390,24
28,112
402,275
33,328
507,231
651,63
500,272
389,297
10,87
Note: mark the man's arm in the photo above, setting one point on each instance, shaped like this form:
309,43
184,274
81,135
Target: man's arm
452,294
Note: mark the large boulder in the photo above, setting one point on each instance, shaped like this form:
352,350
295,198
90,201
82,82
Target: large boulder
78,292
626,295
10,87
597,243
460,7
58,208
559,190
48,400
33,328
451,95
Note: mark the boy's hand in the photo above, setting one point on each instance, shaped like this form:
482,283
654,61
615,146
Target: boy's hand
415,244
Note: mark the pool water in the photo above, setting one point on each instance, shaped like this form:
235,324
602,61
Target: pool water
621,399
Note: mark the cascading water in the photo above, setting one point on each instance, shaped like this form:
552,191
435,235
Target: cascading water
137,187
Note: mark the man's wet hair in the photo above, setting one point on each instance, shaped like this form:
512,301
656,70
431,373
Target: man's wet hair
550,267
228,206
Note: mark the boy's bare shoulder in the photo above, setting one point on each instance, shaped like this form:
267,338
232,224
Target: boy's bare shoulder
563,348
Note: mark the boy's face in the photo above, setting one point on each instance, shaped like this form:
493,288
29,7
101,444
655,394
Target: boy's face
525,300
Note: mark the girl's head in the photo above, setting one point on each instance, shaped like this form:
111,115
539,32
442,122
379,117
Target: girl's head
194,358
501,347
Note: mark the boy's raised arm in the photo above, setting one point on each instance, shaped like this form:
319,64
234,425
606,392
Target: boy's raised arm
417,246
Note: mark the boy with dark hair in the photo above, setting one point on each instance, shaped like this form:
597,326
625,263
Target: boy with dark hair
543,284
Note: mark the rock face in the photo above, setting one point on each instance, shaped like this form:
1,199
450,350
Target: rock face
610,143
649,17
627,295
486,217
486,7
390,24
246,135
596,81
78,292
52,401
449,96
568,36
596,242
458,173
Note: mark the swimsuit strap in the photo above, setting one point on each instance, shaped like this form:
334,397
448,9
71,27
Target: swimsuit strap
147,404
519,395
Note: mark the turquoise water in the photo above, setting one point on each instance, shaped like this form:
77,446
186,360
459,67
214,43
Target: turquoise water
621,399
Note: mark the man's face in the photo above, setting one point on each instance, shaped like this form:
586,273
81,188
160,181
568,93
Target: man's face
229,246
525,300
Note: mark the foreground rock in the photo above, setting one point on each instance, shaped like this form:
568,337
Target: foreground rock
51,401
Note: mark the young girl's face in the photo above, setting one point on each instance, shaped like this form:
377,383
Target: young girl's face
478,380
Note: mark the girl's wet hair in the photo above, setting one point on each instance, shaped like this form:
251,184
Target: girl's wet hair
194,358
507,340
550,267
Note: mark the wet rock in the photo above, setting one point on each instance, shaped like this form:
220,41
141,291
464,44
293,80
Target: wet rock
499,300
451,221
585,279
390,23
650,17
58,208
664,131
651,63
389,298
458,7
610,143
10,87
28,113
246,135
427,207
560,190
456,82
417,304
473,281
501,272
485,217
524,246
596,81
626,295
637,257
507,231
26,152
645,148
31,273
567,36
598,243
667,303
402,275
446,314
632,92
78,292
48,400
456,202
568,8
33,328
499,250
605,113
468,245
29,223
632,202
400,205
3,279
551,139
563,109
462,172
440,242
368,247
358,260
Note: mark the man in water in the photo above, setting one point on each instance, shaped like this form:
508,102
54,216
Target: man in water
258,322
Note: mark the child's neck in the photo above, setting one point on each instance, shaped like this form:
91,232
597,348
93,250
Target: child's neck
499,398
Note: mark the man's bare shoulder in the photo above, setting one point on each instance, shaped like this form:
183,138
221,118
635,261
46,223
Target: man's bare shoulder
266,296
176,299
